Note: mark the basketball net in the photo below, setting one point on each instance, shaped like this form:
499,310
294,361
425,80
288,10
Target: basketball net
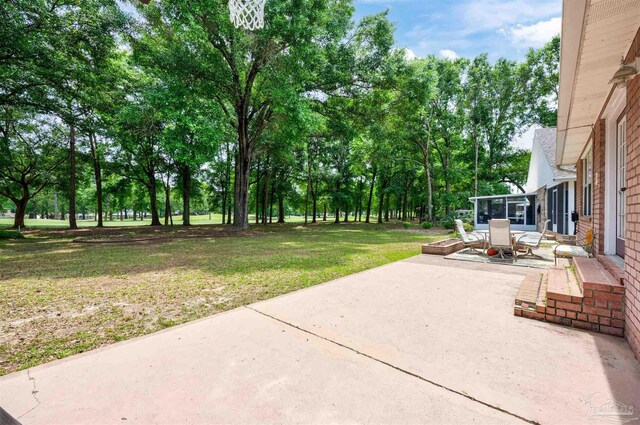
247,14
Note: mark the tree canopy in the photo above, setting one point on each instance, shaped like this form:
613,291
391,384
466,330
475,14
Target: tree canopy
316,114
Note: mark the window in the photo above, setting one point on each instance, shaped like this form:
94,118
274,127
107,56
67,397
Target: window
516,209
587,183
622,177
489,209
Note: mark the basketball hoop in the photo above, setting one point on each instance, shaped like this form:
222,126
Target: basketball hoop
247,14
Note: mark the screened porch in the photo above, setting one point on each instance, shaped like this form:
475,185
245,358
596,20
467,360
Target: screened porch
520,209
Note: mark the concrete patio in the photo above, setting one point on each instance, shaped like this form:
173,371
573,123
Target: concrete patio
425,340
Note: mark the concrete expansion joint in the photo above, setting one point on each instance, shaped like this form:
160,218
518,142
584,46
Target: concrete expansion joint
34,393
399,369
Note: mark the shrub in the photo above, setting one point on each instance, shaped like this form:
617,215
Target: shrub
448,224
406,225
468,227
10,234
426,225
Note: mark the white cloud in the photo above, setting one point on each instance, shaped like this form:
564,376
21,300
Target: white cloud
409,54
535,35
448,54
482,15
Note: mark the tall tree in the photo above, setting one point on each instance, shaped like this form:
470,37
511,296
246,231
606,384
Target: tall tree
31,151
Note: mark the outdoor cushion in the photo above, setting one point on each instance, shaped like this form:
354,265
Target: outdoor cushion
570,251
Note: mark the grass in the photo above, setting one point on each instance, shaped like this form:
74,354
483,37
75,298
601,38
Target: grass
62,224
59,298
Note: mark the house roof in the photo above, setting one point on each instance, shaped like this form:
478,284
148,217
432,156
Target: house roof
546,137
596,35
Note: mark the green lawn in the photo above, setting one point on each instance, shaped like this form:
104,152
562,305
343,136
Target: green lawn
61,224
58,298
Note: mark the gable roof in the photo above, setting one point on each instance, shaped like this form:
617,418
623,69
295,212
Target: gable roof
546,138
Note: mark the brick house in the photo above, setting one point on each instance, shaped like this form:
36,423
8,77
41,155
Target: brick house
554,187
599,134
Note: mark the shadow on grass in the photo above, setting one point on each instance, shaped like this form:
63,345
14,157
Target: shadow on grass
289,247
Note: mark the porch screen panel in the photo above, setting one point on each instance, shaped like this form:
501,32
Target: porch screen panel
488,209
516,210
560,209
550,209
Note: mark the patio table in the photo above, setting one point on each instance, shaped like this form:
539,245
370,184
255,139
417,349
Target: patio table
485,234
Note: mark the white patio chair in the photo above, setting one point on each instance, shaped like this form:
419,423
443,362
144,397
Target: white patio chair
532,244
471,240
500,237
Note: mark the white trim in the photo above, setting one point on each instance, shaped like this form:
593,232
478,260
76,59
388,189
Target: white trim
573,26
572,203
511,195
617,103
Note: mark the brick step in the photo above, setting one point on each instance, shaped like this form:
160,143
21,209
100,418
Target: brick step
528,293
612,267
528,297
597,306
563,286
541,302
593,275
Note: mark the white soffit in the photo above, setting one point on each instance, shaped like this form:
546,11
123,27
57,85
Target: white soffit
596,35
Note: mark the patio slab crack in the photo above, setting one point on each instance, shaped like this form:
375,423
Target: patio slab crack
399,369
34,393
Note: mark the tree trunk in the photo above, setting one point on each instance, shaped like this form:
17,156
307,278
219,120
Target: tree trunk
427,175
97,172
404,207
314,194
271,206
186,195
153,201
475,139
337,219
265,195
324,218
306,201
72,178
241,192
243,170
167,201
21,209
386,208
280,209
258,194
381,197
224,203
373,182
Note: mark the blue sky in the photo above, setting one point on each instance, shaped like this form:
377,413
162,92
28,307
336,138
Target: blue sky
501,28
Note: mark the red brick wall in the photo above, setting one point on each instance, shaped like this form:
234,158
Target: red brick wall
599,183
632,245
596,220
584,223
